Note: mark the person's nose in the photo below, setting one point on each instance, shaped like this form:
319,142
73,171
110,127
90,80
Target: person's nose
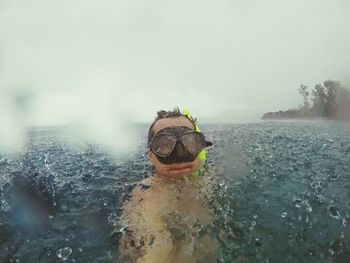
180,149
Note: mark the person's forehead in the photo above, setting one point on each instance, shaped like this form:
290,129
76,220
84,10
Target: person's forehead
172,122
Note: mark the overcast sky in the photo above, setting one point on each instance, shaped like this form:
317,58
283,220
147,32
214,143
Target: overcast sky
76,59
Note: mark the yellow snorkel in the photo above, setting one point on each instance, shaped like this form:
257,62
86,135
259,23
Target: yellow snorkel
203,154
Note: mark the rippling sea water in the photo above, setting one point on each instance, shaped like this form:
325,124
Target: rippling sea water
283,195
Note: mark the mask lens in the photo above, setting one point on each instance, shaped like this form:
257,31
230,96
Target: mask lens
193,141
163,144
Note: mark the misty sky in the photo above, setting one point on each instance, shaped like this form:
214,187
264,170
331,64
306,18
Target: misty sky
80,60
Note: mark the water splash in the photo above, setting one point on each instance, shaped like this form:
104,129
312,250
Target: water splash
333,212
64,253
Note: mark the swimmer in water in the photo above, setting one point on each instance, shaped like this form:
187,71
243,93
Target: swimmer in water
168,218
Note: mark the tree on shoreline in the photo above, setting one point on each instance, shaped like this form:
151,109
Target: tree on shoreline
305,93
329,100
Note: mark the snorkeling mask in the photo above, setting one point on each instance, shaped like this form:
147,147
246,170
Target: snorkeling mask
178,144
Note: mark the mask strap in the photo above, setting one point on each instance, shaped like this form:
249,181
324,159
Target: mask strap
202,155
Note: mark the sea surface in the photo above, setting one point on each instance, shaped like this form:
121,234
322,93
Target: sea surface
283,194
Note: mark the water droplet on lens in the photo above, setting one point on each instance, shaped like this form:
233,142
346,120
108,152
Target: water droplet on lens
64,253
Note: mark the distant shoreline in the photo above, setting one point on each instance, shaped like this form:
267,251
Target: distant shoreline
291,115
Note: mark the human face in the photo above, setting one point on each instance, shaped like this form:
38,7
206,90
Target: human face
177,169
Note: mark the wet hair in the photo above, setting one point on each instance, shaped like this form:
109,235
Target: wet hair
163,115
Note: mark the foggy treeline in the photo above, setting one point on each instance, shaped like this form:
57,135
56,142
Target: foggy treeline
326,100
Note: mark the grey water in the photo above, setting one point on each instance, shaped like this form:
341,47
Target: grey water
283,194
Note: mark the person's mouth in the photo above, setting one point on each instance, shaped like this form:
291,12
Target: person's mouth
179,167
